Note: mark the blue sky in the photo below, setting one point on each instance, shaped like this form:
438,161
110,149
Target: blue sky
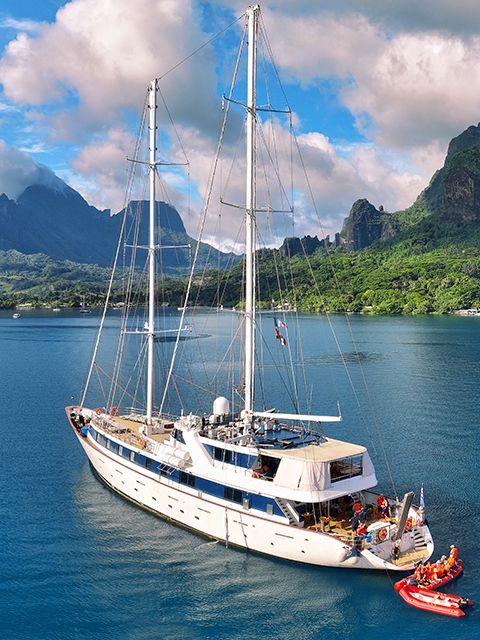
378,89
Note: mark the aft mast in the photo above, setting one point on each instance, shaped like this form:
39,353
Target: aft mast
250,214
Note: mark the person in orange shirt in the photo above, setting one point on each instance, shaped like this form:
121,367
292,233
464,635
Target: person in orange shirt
452,558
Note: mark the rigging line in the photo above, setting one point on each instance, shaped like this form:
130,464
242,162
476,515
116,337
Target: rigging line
110,288
228,351
193,384
125,392
201,47
102,389
272,60
128,274
289,277
370,401
284,379
275,166
288,362
173,125
179,396
104,315
129,301
202,226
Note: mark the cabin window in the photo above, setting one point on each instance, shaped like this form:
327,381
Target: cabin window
346,468
186,478
178,435
222,454
148,463
233,494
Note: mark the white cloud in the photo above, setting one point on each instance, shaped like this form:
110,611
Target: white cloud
100,54
392,16
101,170
20,25
18,171
409,78
418,90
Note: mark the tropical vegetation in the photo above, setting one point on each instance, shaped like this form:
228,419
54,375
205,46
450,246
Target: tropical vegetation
432,268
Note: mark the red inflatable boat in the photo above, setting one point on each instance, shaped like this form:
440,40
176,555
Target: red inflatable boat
433,584
443,603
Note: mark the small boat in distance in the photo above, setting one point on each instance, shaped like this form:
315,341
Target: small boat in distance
227,465
16,315
83,308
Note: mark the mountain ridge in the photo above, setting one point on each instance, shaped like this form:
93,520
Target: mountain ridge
423,259
55,220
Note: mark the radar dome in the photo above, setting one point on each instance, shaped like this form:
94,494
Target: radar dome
221,406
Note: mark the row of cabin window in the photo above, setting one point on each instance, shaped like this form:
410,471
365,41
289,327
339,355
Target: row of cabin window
231,457
234,495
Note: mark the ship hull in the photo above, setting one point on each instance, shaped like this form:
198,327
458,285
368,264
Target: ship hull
192,510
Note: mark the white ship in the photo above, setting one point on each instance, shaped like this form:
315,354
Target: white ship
262,480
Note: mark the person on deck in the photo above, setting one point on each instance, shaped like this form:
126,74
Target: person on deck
382,506
396,551
452,558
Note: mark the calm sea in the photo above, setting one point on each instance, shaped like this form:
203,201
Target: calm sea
76,561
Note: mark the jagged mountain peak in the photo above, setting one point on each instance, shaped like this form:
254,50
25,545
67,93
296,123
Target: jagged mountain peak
51,218
468,138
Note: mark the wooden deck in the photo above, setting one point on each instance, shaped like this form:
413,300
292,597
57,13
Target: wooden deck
341,525
129,430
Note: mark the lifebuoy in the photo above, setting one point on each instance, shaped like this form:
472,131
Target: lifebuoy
114,411
408,524
382,534
255,475
143,443
98,412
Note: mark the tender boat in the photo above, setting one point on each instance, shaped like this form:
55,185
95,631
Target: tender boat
435,601
240,472
453,573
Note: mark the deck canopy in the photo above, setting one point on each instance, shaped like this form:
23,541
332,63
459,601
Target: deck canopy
330,465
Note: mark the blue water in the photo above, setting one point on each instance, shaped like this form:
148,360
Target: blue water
76,561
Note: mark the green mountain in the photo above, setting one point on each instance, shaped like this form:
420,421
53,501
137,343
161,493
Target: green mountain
423,259
55,247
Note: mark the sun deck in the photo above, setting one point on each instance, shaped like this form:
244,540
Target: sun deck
130,429
325,451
